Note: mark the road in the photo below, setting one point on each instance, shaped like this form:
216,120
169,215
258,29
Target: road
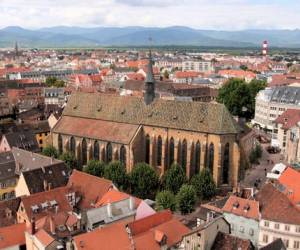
258,171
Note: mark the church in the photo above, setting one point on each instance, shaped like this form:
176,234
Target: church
129,129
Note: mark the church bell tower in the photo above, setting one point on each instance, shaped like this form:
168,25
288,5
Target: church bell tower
149,83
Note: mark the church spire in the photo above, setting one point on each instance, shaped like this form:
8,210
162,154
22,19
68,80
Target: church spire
149,83
16,48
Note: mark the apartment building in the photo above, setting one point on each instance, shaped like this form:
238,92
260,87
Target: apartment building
199,66
272,102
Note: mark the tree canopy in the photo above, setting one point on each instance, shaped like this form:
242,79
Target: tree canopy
95,168
52,81
50,151
204,184
186,199
116,172
239,96
70,160
144,181
174,178
165,200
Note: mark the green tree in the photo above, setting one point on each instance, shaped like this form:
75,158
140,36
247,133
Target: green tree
165,200
255,154
186,199
95,168
239,96
116,172
244,67
52,81
70,160
166,74
50,151
204,184
144,181
174,178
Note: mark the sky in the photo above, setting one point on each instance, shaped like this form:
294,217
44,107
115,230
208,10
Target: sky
202,14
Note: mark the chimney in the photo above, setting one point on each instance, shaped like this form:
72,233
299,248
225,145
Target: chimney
56,208
108,207
52,225
45,185
49,186
32,226
131,203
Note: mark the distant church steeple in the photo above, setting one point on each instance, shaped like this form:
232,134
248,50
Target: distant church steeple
149,83
16,49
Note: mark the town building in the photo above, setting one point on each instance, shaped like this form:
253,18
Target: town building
197,65
270,103
286,134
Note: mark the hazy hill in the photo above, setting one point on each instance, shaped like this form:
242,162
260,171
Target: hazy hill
64,36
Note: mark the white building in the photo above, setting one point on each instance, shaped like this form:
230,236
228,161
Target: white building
199,66
272,102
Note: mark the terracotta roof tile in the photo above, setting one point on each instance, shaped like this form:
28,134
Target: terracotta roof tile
242,207
290,179
96,129
289,118
275,206
12,235
91,187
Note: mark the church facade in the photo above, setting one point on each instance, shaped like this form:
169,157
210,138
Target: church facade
159,132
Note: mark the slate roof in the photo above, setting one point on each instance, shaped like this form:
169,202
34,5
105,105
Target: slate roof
275,206
27,160
192,116
44,178
7,165
275,245
24,140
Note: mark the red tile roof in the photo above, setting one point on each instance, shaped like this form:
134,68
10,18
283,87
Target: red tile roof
91,188
289,118
57,194
89,128
275,206
290,178
114,196
107,238
187,74
12,235
44,237
145,231
242,207
237,73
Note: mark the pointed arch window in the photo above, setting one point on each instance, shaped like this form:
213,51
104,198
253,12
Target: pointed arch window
197,157
225,170
147,148
184,154
60,144
96,151
84,151
72,145
171,151
108,152
159,151
211,152
123,155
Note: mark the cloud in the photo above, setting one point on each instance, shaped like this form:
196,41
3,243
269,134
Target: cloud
202,14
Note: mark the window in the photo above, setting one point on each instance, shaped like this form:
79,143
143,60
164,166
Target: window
108,152
266,224
277,226
147,148
286,242
287,228
96,151
123,155
40,141
265,238
297,230
159,151
251,232
242,229
171,149
296,244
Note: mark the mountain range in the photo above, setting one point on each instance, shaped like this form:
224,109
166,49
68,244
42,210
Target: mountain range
65,36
